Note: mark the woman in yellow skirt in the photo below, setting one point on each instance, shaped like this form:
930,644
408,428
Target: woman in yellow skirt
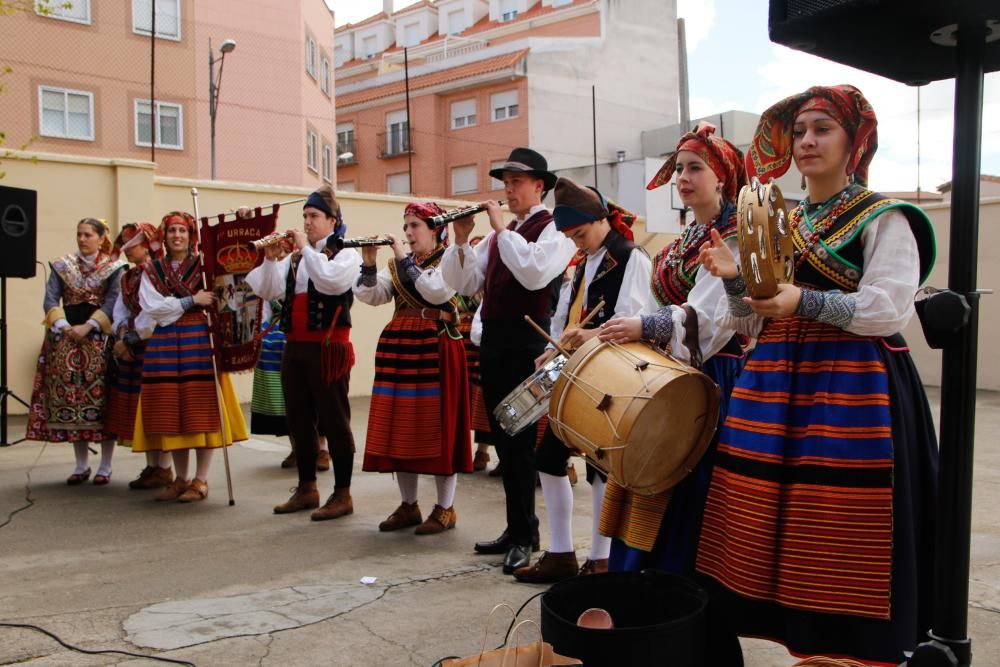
179,405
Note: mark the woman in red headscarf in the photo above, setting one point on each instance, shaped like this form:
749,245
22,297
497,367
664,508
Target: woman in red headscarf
140,242
179,405
419,421
662,530
68,402
820,518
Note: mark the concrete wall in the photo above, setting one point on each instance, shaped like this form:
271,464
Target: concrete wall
634,66
928,361
125,191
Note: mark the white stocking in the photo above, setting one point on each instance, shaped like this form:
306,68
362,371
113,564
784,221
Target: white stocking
82,456
407,486
600,546
446,489
107,451
558,496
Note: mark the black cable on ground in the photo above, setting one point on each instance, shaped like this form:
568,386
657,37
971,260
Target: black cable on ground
28,626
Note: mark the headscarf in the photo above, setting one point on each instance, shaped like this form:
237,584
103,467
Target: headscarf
138,233
425,211
724,159
183,218
770,153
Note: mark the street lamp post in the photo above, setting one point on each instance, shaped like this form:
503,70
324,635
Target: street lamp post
214,85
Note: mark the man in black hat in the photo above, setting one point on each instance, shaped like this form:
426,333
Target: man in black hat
515,266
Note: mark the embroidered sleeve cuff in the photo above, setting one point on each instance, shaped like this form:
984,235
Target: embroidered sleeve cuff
100,321
187,303
810,304
409,267
735,286
838,309
368,278
736,289
658,327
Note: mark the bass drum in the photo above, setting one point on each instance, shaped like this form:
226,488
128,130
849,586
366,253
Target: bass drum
639,415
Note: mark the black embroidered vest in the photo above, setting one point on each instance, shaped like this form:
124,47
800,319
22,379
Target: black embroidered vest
607,282
321,307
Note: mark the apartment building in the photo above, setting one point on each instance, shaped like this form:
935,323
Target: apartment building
483,76
90,79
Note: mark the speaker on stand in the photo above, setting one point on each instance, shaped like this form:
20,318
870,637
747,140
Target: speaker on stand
18,240
917,41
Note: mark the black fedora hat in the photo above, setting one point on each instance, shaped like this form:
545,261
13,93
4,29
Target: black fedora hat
529,162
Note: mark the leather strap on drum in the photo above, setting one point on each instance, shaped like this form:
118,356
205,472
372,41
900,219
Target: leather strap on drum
691,335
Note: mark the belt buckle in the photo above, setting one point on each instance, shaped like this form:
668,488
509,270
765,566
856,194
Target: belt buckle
424,315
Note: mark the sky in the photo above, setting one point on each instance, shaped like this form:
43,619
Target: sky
757,73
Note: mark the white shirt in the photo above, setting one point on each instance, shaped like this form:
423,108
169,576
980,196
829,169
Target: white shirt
121,315
159,310
634,296
329,276
706,297
533,264
890,278
430,285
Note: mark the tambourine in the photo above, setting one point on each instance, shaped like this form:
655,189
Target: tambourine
765,239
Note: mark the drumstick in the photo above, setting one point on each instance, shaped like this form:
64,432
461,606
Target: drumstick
546,336
596,309
593,312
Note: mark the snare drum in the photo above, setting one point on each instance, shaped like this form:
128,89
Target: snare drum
639,415
529,402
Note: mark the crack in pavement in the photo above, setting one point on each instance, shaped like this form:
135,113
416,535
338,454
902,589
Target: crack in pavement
267,649
224,624
406,649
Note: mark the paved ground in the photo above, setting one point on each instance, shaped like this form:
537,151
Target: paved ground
108,568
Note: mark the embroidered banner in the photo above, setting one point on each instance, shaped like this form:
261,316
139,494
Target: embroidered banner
228,258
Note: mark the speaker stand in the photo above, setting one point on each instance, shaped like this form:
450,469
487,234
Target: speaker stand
5,391
950,643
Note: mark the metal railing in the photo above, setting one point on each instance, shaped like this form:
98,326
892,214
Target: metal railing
393,143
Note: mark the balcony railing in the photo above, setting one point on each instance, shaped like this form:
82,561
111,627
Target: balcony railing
393,143
347,152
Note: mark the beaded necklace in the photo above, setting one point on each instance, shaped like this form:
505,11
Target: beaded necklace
827,218
693,237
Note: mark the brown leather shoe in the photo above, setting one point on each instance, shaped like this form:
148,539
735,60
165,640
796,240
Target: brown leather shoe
404,516
304,497
323,461
337,505
548,569
289,461
196,490
173,490
594,566
157,478
480,461
439,520
140,481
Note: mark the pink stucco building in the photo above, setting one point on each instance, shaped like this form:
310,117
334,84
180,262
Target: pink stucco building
81,84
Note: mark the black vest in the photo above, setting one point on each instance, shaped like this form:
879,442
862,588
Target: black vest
607,282
321,306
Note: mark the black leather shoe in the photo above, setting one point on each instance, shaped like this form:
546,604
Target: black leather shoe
518,556
501,544
497,546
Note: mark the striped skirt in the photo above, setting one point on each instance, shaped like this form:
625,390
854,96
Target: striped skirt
477,405
178,384
419,418
819,518
267,404
662,531
124,388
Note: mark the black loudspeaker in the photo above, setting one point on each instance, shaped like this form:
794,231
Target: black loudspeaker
907,40
18,232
